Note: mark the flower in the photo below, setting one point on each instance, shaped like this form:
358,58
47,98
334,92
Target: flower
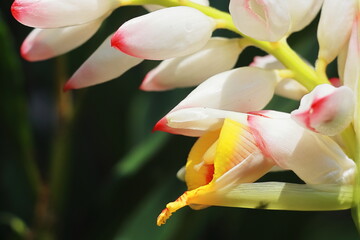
334,32
247,146
218,55
238,141
102,65
274,19
286,87
54,14
187,30
327,109
42,44
242,89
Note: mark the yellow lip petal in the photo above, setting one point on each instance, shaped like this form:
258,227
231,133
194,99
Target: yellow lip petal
198,173
182,201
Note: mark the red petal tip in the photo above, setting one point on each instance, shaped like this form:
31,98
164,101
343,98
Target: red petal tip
336,82
68,86
115,41
15,10
161,125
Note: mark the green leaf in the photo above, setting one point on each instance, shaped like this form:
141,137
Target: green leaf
142,222
140,155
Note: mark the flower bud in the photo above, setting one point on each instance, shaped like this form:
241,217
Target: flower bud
334,27
104,64
218,55
163,34
287,87
272,20
243,89
54,13
42,44
327,110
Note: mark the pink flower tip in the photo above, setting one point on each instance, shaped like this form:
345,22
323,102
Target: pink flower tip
116,41
161,125
16,8
24,52
150,84
68,86
335,82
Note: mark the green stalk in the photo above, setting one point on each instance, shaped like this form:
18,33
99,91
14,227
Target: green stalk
60,158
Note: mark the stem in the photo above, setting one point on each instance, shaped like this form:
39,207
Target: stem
59,165
60,159
303,73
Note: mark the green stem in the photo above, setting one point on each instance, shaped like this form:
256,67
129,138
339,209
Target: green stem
303,73
60,159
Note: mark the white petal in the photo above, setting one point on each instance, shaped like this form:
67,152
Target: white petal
263,20
267,62
163,34
327,109
303,12
218,55
352,64
243,89
352,67
54,13
42,44
287,87
341,61
315,158
104,64
196,121
291,89
334,28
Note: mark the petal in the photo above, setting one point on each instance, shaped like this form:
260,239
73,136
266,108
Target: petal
196,121
54,13
279,196
303,12
197,172
315,158
287,87
334,27
243,89
103,65
341,62
327,109
166,33
352,65
237,160
218,55
263,20
291,89
42,44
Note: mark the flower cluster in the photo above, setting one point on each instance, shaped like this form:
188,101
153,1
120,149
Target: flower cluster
239,142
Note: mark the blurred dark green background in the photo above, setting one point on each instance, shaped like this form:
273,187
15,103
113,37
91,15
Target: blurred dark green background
85,164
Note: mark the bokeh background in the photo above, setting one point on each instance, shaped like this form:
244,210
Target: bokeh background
86,165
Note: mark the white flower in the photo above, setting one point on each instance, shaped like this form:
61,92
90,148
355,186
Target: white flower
163,34
271,20
218,55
